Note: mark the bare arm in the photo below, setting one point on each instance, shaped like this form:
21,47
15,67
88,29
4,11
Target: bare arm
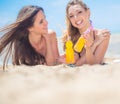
55,46
82,60
99,52
94,54
52,49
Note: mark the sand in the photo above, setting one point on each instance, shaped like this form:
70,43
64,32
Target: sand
62,84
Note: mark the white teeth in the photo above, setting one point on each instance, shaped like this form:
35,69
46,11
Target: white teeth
79,22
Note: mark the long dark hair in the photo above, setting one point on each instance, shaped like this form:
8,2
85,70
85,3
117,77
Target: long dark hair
14,42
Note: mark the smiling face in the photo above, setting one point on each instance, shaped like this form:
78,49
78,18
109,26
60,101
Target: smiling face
78,16
40,25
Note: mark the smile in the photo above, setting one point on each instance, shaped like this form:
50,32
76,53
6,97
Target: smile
79,22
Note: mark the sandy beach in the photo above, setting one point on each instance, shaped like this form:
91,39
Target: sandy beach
62,84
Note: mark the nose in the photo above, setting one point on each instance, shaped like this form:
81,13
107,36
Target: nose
45,22
75,16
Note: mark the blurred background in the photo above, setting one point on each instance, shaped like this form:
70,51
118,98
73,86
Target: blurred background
104,13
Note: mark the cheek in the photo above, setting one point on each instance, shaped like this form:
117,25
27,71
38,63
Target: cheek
37,28
87,16
72,22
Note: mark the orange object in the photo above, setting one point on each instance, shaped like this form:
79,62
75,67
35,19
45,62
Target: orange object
80,44
69,52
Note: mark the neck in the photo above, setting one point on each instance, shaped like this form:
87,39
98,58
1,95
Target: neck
35,39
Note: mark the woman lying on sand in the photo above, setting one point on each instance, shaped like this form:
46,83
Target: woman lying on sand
79,25
28,41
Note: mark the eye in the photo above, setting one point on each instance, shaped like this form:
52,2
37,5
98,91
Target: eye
41,21
79,12
71,16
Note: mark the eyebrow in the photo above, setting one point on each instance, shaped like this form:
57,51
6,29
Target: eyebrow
71,13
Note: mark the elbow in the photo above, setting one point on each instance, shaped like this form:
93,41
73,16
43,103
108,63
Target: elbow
51,63
93,62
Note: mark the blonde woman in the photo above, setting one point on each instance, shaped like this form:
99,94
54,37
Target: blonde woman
79,24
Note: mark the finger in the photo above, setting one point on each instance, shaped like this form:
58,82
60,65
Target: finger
86,36
106,34
105,31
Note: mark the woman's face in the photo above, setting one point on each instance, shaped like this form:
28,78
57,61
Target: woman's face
40,25
79,17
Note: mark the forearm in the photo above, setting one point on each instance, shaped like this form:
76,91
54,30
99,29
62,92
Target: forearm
88,57
90,54
55,48
81,61
50,60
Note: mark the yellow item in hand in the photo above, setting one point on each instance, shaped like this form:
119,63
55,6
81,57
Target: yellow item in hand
69,52
80,44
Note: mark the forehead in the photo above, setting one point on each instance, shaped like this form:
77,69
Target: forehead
39,15
74,8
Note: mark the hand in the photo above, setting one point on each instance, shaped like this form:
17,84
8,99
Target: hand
45,36
101,36
89,40
62,59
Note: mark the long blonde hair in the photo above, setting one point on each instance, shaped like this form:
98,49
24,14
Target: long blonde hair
71,30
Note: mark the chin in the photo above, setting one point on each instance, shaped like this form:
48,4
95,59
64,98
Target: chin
81,26
78,26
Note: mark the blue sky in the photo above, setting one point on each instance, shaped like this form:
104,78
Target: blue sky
104,13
